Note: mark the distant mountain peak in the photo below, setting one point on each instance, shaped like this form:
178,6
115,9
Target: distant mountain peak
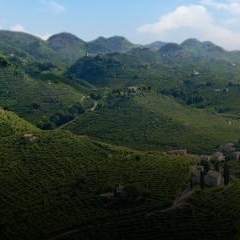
109,45
64,36
170,48
191,42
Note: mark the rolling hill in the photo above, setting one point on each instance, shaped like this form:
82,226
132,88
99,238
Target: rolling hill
67,47
149,120
24,46
109,45
115,106
52,180
33,99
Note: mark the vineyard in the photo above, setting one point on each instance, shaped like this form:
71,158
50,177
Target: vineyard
152,121
54,182
34,100
212,214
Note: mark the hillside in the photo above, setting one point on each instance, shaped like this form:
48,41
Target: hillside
195,73
155,45
209,214
35,100
67,47
108,112
52,181
152,121
24,46
11,125
61,49
109,45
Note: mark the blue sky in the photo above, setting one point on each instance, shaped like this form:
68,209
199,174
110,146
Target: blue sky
141,21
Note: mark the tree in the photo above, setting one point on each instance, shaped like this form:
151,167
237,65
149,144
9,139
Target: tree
191,181
226,174
216,165
202,183
206,165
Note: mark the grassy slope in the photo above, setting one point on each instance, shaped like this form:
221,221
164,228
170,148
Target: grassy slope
10,124
54,182
25,46
18,92
151,121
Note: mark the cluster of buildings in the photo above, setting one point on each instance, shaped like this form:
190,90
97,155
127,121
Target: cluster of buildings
228,151
211,178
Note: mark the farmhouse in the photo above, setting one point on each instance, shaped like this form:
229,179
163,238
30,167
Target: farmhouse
29,137
218,156
204,158
107,195
213,178
132,88
228,147
178,152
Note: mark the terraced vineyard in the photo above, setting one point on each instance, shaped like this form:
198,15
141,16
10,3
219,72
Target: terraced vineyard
152,121
211,214
53,182
34,100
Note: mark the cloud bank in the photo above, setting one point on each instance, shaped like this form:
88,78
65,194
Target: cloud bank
194,21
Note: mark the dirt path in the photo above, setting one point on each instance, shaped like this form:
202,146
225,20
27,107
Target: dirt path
82,99
179,201
94,106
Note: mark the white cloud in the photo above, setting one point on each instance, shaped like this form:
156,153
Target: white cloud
21,28
55,7
233,6
18,28
192,21
183,16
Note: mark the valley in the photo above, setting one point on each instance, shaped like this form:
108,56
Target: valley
98,139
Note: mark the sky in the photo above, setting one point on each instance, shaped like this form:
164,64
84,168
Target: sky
140,21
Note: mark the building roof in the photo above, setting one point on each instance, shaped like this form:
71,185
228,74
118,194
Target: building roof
213,174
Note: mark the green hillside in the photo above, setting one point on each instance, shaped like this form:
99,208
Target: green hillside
196,73
109,45
210,214
52,181
11,125
35,100
67,47
108,109
152,121
24,46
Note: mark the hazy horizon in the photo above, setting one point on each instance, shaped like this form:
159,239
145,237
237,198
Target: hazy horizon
139,21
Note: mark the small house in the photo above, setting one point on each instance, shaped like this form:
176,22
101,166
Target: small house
29,137
178,152
218,156
107,195
205,158
236,155
195,72
228,147
213,178
132,89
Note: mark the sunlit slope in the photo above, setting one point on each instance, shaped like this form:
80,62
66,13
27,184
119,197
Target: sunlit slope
153,121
